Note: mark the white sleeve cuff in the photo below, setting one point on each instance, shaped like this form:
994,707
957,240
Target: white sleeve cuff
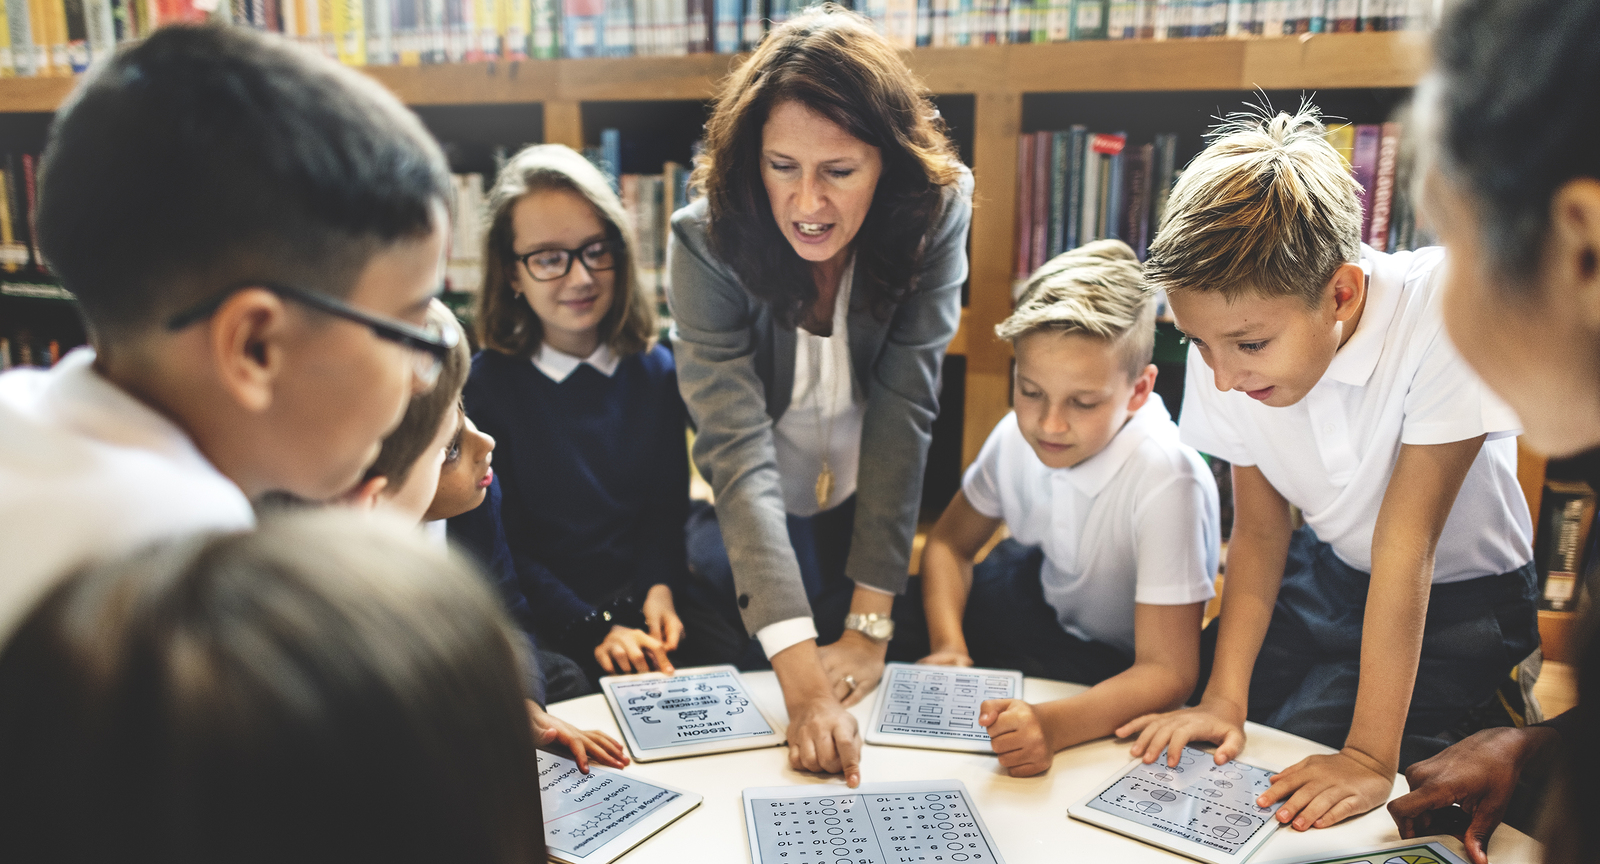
871,588
783,634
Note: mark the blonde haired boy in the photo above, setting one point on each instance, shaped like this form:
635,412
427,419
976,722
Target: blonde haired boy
1113,522
1333,387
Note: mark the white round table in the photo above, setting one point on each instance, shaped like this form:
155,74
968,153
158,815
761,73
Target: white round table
1027,816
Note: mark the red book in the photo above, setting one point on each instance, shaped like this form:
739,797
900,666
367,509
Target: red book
1383,188
1024,204
1041,199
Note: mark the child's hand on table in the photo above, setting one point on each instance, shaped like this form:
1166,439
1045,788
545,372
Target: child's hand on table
1017,736
593,744
947,657
1217,721
628,650
1323,791
661,619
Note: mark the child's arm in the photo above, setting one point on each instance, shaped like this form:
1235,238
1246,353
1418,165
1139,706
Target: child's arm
1163,673
1257,553
947,577
1325,790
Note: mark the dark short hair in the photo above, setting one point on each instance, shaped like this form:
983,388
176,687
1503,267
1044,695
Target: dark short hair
834,63
1518,112
205,156
426,411
326,688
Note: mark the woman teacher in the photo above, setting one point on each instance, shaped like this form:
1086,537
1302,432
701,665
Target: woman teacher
815,286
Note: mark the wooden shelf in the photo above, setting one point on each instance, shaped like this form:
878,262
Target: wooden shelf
1320,61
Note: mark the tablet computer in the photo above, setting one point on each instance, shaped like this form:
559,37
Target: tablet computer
936,707
877,823
594,818
1199,809
693,712
1419,850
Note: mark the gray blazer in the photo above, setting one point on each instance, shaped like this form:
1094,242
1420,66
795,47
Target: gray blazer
736,372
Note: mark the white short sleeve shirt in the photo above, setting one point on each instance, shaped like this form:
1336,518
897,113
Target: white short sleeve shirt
88,472
1135,523
1397,380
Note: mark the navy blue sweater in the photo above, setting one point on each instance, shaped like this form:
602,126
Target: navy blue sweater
594,475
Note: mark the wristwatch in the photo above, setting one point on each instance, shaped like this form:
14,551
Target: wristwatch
879,628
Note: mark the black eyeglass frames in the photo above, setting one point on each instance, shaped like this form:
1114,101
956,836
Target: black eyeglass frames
548,265
429,344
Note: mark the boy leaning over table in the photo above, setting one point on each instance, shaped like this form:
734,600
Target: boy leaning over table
1113,521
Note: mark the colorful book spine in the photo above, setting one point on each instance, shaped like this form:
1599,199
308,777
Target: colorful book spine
1024,205
1364,165
1039,248
1088,19
1137,231
1060,158
1383,188
1077,154
581,24
729,15
1166,171
544,39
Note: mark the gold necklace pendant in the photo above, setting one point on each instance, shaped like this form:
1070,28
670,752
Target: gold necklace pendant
824,486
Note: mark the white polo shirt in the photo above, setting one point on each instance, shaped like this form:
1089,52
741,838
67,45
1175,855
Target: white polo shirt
1135,523
88,472
1397,380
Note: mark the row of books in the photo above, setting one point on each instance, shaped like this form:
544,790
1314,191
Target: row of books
21,348
612,28
1075,186
650,200
1389,216
62,37
19,253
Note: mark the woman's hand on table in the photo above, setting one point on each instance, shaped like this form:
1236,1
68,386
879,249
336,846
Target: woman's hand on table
824,738
1322,791
1215,720
593,744
1480,773
1017,736
854,658
628,650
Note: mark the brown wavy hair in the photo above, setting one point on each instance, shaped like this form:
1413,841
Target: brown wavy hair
831,61
505,322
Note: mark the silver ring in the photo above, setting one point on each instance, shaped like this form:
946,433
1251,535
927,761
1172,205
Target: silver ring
850,680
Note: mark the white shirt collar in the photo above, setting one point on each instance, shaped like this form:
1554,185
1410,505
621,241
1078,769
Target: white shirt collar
1357,358
557,365
1091,475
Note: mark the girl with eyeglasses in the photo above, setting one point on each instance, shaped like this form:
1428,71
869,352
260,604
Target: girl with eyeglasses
591,460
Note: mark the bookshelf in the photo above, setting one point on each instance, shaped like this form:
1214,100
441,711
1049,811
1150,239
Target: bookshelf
559,99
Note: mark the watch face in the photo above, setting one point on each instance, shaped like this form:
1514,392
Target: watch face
877,628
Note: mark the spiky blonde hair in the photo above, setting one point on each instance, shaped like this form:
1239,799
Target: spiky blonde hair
1268,208
1095,289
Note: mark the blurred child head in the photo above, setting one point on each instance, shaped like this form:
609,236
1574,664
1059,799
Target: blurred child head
1084,332
550,200
196,181
406,472
465,476
1257,253
1514,192
326,688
